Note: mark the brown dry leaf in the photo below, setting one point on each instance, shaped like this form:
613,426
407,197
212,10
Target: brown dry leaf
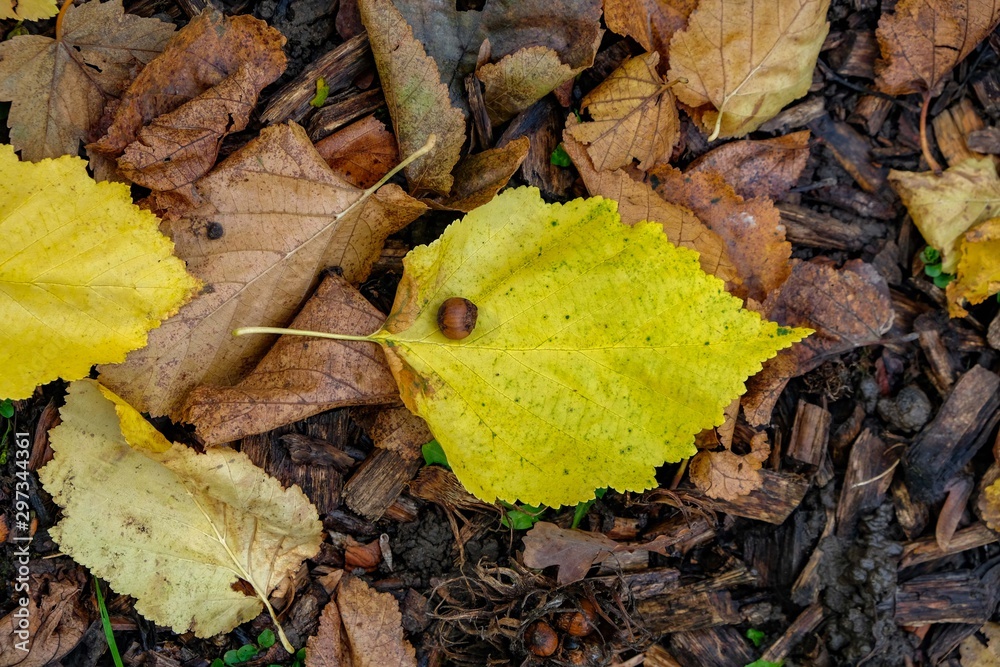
848,307
751,228
452,37
360,628
361,153
59,87
976,654
923,40
978,269
945,207
576,551
634,117
213,70
638,202
652,23
726,475
301,377
400,431
55,625
746,59
265,227
479,177
418,102
521,79
765,168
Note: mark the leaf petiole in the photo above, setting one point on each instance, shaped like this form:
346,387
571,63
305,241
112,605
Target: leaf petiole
243,331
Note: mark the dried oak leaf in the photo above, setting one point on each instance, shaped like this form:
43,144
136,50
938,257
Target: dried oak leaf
300,377
85,274
172,119
59,87
418,102
479,177
576,551
745,60
600,348
55,625
453,37
726,475
634,117
848,307
401,431
758,168
520,79
360,627
180,529
28,10
638,202
360,153
922,41
751,228
267,223
978,267
652,23
977,654
945,207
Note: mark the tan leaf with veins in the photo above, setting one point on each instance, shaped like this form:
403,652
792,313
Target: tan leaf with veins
59,87
418,102
765,168
360,627
521,79
751,228
922,41
726,475
634,117
360,153
400,431
301,377
638,202
479,177
267,224
213,69
173,528
746,59
650,22
976,654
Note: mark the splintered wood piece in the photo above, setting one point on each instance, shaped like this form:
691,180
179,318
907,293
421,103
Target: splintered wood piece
942,366
806,588
711,647
987,90
958,491
805,623
943,597
993,333
306,450
951,129
778,496
856,54
852,151
810,434
911,514
649,583
869,473
480,117
853,200
797,116
845,434
927,549
702,604
986,140
807,227
542,123
342,109
872,112
377,483
959,429
338,67
686,532
657,656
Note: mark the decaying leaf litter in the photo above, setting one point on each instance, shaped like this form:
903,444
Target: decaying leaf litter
840,511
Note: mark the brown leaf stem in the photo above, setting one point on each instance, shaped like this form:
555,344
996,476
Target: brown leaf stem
924,145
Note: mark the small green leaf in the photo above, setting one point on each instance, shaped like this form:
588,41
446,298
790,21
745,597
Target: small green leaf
246,652
584,507
933,270
434,455
322,92
217,663
944,279
266,638
930,256
521,517
17,30
231,658
6,408
560,157
756,636
766,663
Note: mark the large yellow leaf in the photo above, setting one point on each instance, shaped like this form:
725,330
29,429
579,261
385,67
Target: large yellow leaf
978,268
600,349
175,529
84,273
28,10
945,207
746,59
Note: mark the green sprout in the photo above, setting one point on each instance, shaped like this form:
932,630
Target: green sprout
560,157
434,454
756,636
322,92
521,517
106,622
584,507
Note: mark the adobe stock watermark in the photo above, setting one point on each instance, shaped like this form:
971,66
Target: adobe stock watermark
21,537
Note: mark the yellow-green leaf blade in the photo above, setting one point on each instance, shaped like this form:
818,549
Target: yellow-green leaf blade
599,352
84,273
